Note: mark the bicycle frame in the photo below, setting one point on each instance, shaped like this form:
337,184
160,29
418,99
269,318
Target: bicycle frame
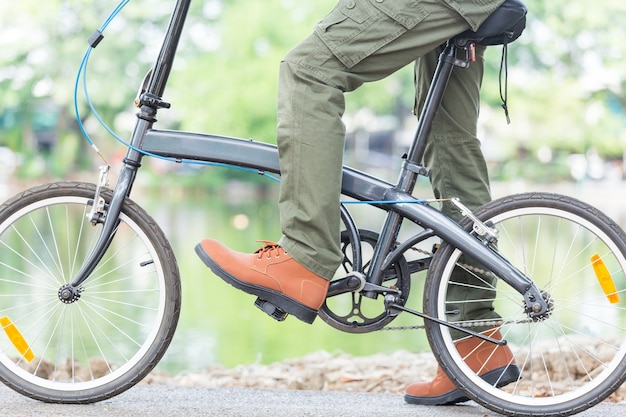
264,157
108,328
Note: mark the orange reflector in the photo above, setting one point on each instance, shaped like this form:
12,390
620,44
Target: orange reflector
605,279
17,339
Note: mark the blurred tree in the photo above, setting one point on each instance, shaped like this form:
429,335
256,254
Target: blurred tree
41,47
566,77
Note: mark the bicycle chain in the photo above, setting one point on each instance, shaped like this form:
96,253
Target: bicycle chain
471,268
478,271
485,323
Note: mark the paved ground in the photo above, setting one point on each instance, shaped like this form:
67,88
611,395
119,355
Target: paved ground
164,401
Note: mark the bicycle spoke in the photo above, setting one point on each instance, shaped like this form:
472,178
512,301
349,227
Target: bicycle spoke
572,356
122,318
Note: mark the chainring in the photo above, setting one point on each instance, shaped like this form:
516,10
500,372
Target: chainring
352,312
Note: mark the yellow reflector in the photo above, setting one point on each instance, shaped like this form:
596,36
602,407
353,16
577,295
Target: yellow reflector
17,339
605,279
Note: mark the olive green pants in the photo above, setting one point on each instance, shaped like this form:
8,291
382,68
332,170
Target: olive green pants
453,143
362,41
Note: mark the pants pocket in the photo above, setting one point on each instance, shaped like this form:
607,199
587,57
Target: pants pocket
355,29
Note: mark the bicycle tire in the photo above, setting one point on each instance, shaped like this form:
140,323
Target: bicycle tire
120,327
570,360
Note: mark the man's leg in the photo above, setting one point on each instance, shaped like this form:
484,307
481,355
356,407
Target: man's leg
453,153
357,42
458,169
314,77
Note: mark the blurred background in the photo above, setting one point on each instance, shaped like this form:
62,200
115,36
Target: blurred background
566,78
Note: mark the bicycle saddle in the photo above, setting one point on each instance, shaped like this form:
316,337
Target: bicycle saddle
503,26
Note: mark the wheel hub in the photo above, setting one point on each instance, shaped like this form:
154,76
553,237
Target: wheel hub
69,294
535,310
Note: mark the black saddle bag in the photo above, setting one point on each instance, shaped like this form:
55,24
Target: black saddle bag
502,27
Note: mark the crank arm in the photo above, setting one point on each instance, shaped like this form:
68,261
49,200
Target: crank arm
369,287
445,323
355,282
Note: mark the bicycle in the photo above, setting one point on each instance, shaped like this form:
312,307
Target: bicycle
91,288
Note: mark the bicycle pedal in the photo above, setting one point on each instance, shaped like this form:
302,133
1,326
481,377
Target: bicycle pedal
270,309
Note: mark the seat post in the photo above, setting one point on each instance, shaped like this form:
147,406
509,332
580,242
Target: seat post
414,159
412,166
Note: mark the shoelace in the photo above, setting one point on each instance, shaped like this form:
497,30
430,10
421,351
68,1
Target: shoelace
271,249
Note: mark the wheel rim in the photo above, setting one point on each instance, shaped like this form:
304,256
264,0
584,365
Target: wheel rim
108,331
557,363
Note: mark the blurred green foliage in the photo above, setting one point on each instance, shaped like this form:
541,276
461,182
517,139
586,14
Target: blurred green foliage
565,79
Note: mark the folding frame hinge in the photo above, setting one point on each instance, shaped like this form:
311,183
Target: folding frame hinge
416,168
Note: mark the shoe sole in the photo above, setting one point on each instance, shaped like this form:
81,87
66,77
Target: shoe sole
288,304
499,377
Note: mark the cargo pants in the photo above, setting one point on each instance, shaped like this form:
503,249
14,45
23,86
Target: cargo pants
362,41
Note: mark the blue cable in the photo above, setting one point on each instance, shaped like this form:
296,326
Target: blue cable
82,73
78,119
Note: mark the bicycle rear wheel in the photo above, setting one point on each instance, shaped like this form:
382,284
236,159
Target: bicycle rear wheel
573,358
116,332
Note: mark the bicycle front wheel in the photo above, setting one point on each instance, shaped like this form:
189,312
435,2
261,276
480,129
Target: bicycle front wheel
116,331
569,360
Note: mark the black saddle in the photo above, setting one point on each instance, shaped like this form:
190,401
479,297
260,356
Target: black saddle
502,27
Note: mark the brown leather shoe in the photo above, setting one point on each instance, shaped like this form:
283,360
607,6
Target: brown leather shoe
495,364
271,274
